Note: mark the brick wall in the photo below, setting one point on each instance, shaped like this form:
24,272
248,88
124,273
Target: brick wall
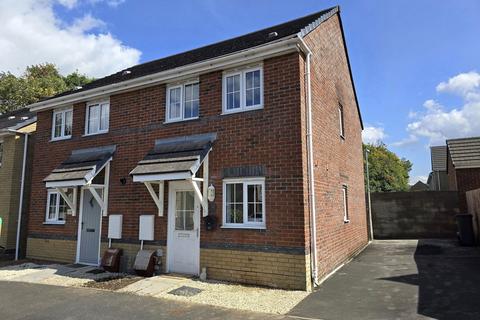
467,180
337,161
10,176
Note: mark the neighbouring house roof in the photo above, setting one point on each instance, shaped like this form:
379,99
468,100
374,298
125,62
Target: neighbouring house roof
420,186
465,153
81,166
177,155
439,158
17,119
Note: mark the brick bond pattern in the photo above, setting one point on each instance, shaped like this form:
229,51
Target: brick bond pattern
273,137
462,180
337,161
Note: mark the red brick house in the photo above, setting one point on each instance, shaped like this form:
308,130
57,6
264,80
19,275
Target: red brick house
259,135
463,167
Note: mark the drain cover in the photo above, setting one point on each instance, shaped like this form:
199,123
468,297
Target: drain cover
185,291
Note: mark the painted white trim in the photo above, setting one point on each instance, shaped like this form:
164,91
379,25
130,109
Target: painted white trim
243,89
65,183
158,199
245,183
345,203
272,49
63,112
181,86
98,103
22,187
172,188
161,177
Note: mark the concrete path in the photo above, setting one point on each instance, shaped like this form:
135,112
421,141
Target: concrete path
409,279
22,301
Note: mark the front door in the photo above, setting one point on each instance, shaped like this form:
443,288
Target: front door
90,229
183,247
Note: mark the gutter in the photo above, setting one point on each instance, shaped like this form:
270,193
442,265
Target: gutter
22,187
311,177
278,47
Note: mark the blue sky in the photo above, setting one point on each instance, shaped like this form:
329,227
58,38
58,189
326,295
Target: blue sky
415,63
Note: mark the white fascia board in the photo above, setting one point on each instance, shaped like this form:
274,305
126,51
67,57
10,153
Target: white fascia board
282,46
162,177
65,184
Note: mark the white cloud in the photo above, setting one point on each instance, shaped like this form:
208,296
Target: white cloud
110,3
412,139
373,135
32,33
437,123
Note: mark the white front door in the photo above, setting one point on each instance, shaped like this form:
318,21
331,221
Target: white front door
183,244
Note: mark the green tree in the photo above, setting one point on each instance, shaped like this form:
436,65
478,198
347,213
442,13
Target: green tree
386,170
37,82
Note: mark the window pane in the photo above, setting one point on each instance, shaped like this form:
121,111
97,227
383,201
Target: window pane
104,116
68,123
252,88
58,125
52,206
191,101
234,213
184,211
255,205
62,209
175,103
234,203
233,92
93,118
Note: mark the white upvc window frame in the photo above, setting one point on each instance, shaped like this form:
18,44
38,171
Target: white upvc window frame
181,86
54,220
243,92
341,120
346,214
245,182
63,112
99,103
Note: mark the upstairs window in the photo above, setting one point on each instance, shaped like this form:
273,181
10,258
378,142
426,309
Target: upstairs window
243,90
244,203
341,121
62,124
346,217
183,102
97,119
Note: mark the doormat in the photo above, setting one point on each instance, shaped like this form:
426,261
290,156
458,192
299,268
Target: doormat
96,271
185,291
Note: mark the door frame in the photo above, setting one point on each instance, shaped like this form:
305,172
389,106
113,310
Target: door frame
79,232
172,187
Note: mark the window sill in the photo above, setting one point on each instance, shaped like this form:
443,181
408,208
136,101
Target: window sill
244,227
240,110
56,223
60,139
94,134
180,120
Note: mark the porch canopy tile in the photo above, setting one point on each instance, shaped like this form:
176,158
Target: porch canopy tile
80,167
174,158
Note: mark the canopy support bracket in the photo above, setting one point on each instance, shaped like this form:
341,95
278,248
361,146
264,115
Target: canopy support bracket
158,199
72,203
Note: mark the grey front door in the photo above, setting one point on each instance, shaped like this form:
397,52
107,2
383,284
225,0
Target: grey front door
90,229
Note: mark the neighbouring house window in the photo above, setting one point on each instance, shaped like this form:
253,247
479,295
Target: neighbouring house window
341,121
62,124
244,203
243,90
183,102
1,153
346,217
57,208
97,120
